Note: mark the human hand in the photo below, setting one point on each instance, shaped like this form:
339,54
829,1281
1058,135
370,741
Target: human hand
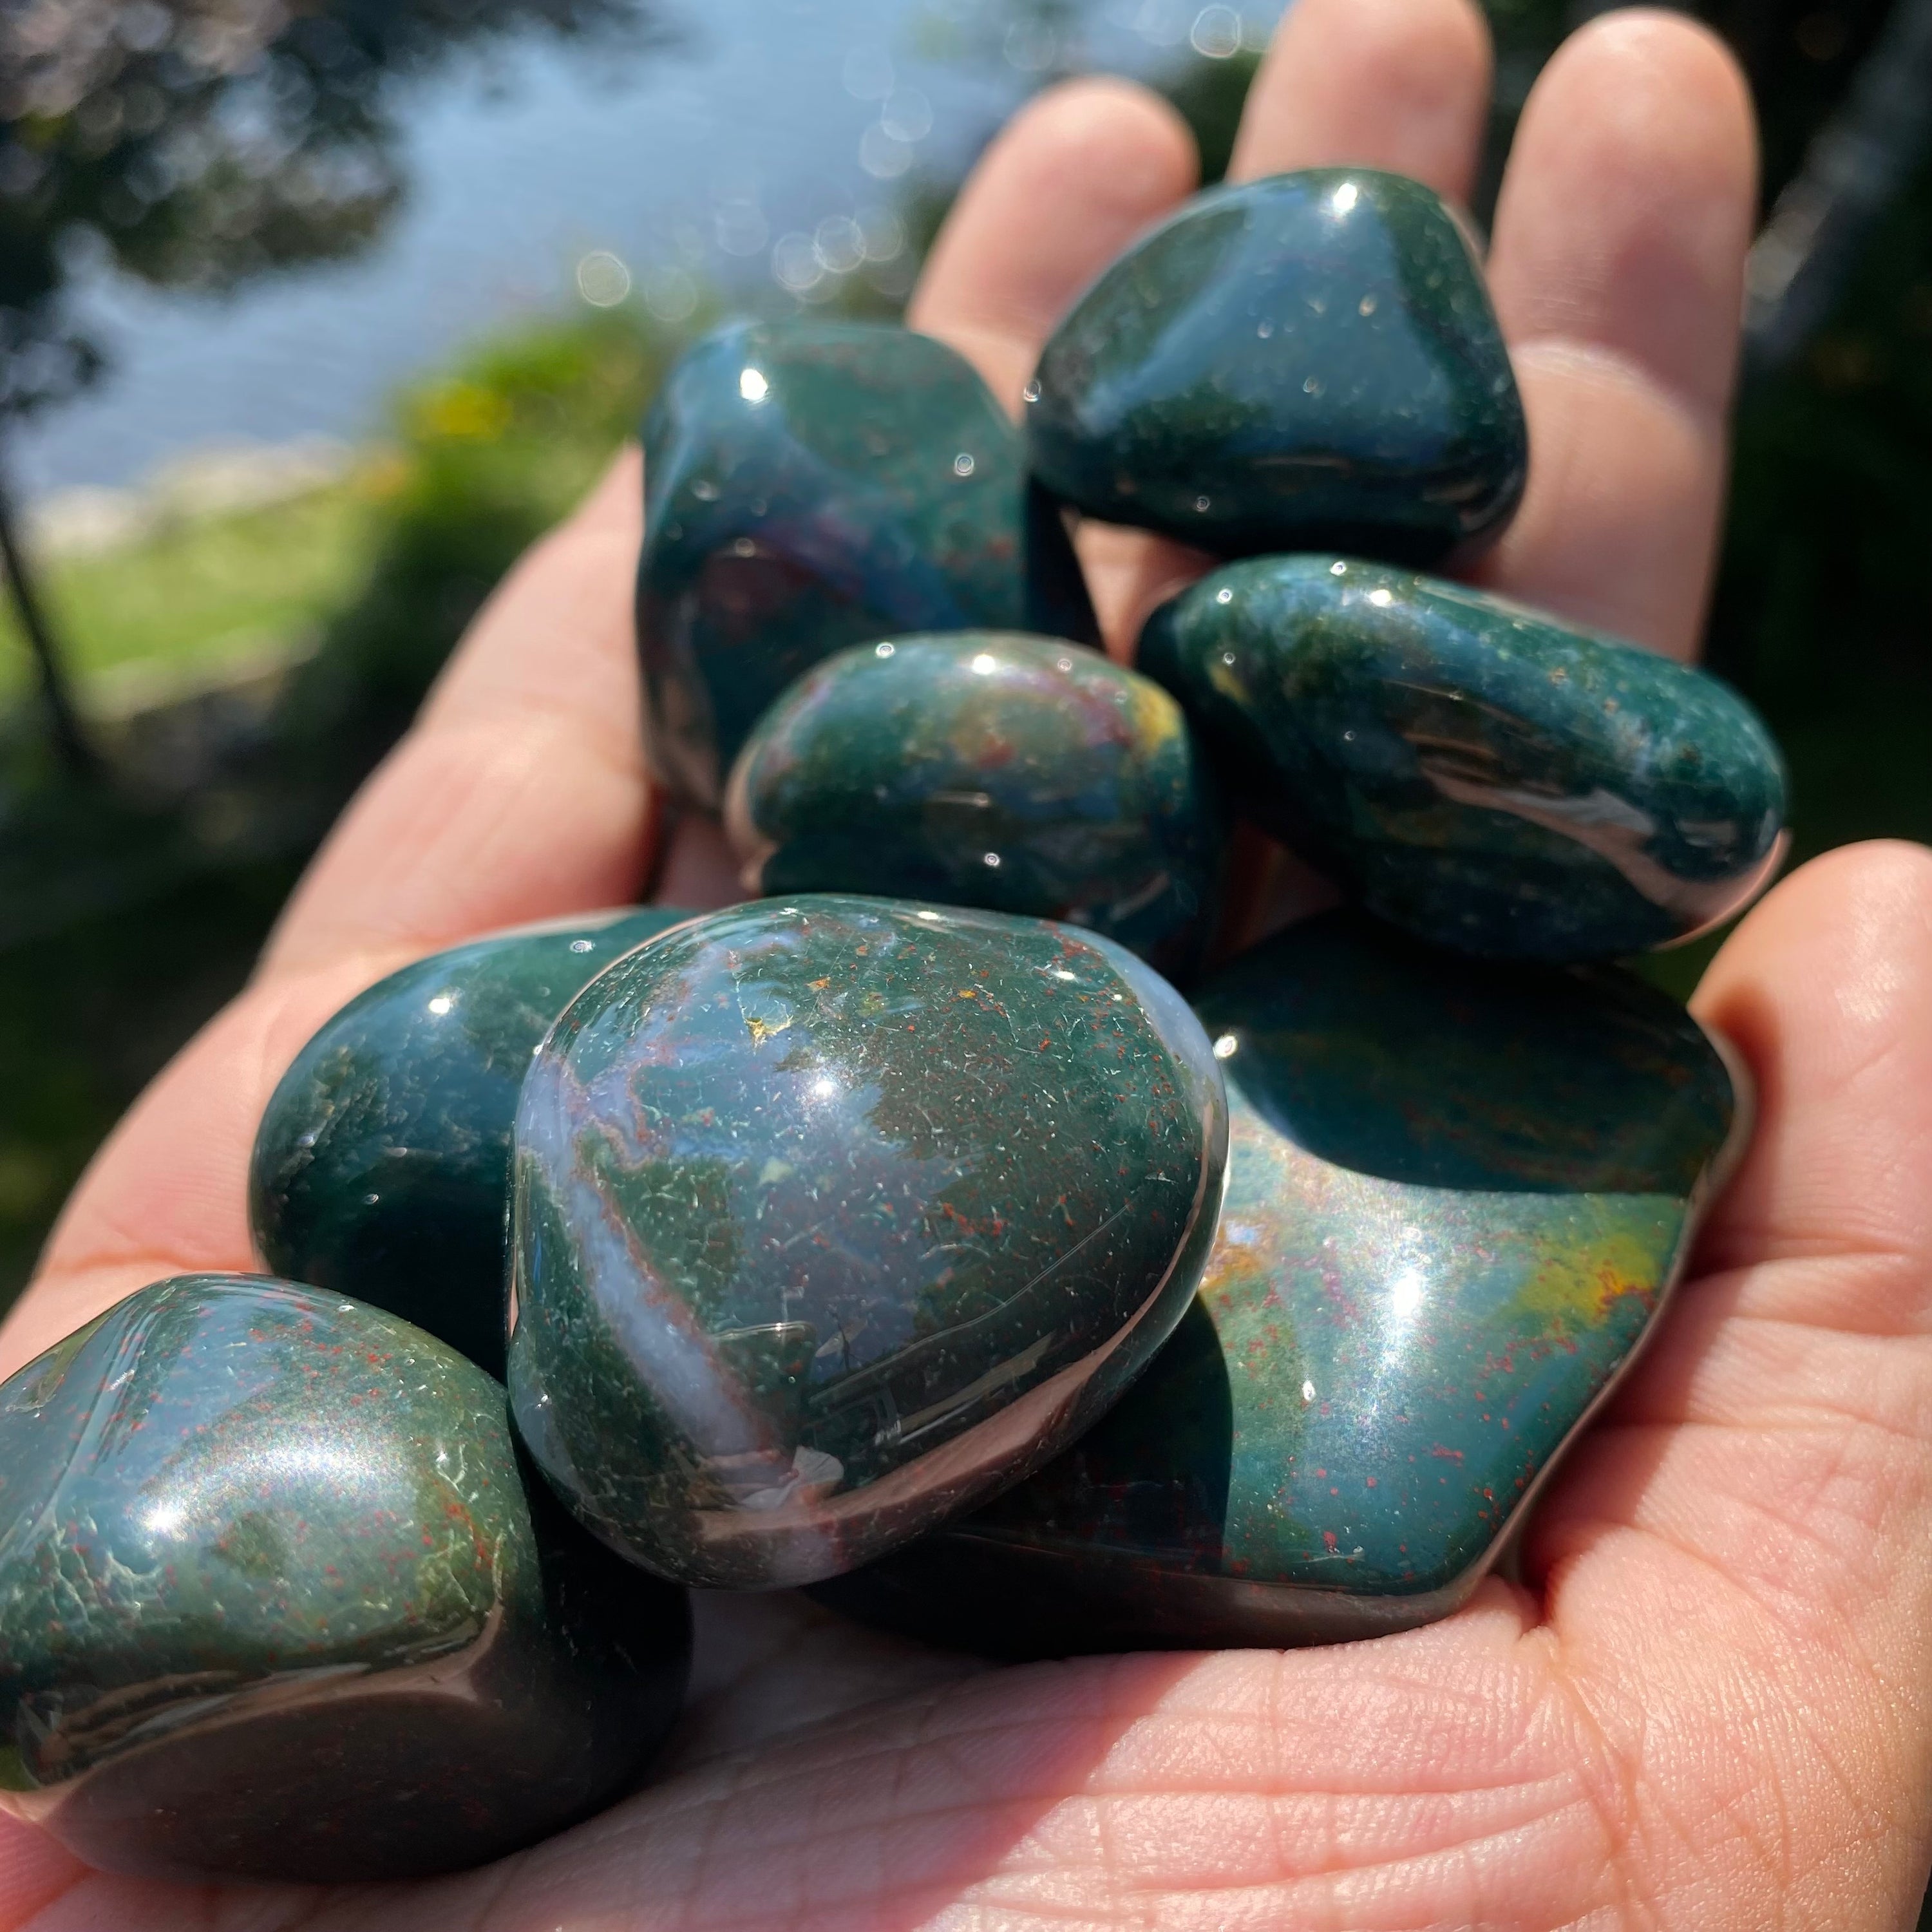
1706,1703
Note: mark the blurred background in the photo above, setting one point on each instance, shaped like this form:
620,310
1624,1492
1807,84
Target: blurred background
312,315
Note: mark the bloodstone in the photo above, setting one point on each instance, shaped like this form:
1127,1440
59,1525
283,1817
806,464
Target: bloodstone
1485,777
833,1215
381,1167
813,484
277,1603
1457,1198
1021,774
1304,361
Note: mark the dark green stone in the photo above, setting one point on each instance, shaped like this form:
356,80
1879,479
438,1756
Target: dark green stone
810,485
381,1167
1305,361
1021,774
1457,1198
835,1215
1484,777
276,1602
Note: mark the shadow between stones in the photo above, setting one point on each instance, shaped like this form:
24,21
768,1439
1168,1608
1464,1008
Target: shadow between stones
1386,1057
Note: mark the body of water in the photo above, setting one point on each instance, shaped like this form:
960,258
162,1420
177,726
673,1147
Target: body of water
778,136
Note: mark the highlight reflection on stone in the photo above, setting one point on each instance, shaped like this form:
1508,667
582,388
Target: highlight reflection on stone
835,1215
1021,774
1304,361
810,485
382,1166
1457,1198
1484,777
276,1604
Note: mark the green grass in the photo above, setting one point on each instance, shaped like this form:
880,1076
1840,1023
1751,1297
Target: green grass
197,589
384,569
386,566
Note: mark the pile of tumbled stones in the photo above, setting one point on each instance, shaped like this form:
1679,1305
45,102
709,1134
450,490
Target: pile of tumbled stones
928,1231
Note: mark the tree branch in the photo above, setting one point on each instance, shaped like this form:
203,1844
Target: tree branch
1860,158
63,719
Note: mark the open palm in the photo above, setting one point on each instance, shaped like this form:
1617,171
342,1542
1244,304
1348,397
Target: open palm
1709,1702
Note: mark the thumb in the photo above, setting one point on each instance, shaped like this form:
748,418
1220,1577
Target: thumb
1747,1543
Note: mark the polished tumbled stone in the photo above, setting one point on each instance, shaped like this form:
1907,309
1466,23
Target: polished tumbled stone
1021,774
832,1215
1457,1198
1483,776
382,1166
810,485
1306,360
276,1602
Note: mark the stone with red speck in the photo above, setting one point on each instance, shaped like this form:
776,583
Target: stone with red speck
278,1603
897,1272
1440,1173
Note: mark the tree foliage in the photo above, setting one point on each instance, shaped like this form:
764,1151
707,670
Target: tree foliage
199,142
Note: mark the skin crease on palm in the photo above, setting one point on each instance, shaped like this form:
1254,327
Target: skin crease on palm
1709,1703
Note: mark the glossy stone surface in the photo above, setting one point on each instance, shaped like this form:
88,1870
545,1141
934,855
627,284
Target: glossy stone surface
382,1166
813,484
1021,774
834,1215
276,1603
1457,1197
1484,777
1304,361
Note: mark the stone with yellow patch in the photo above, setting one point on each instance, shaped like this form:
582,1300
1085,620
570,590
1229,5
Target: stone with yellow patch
1457,1198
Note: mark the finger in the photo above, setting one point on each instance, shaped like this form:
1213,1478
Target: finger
1075,176
1403,85
1750,1534
1129,574
1818,1259
1826,989
1400,84
34,1872
1618,272
520,792
700,871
